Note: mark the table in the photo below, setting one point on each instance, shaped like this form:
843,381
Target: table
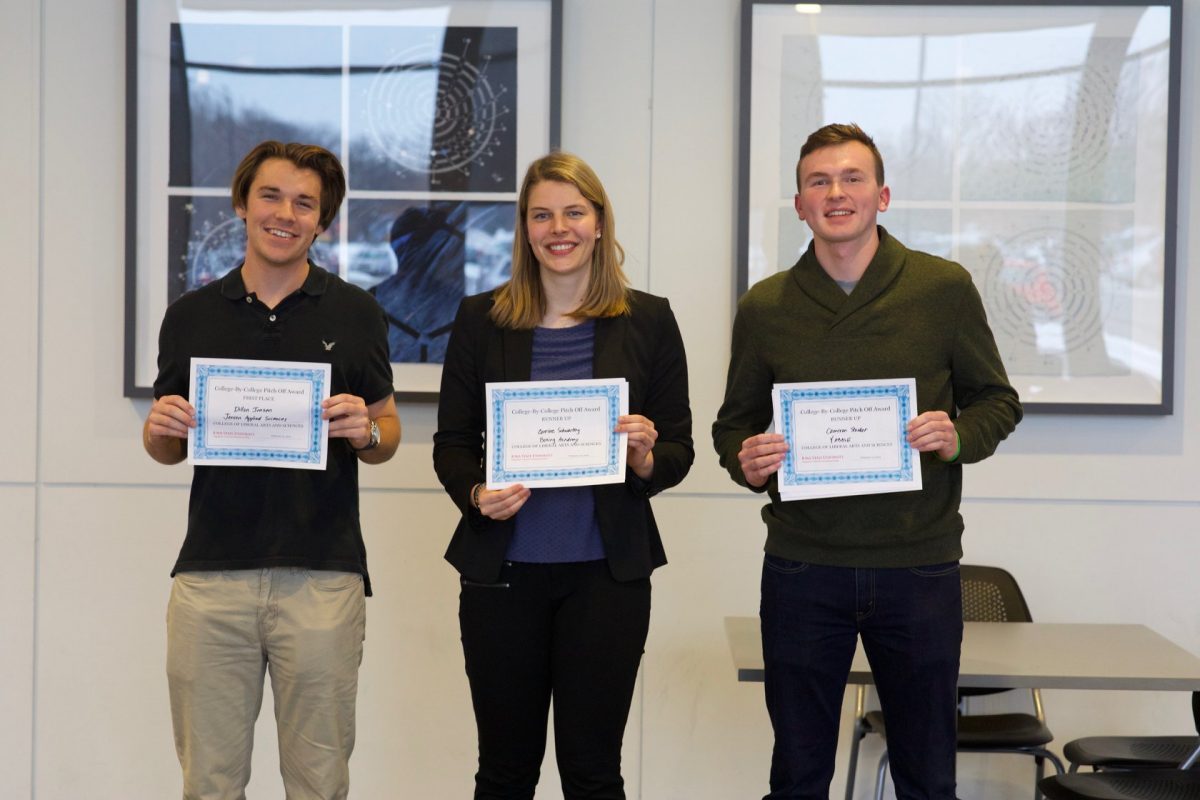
1043,655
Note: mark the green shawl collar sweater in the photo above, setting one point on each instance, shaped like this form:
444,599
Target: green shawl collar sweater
910,315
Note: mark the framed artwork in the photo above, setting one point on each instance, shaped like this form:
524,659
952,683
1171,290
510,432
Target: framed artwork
434,109
1035,144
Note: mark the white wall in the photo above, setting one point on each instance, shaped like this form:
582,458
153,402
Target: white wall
19,307
1097,517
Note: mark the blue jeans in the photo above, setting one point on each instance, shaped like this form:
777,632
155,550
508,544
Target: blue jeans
910,620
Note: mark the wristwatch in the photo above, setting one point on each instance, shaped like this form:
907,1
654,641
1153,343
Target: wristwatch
374,438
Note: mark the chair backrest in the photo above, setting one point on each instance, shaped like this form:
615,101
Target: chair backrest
991,594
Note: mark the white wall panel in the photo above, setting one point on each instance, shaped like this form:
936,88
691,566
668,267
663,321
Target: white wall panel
90,430
415,725
694,157
19,203
16,654
706,735
607,119
103,727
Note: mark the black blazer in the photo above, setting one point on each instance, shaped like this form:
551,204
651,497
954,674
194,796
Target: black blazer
645,348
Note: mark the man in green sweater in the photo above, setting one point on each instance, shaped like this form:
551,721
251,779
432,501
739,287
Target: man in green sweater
858,305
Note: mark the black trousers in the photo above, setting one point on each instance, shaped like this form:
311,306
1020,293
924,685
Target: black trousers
567,631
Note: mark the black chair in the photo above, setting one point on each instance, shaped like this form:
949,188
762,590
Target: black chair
1133,752
1142,784
990,594
1131,767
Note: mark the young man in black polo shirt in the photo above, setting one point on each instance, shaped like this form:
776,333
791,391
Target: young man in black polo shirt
273,572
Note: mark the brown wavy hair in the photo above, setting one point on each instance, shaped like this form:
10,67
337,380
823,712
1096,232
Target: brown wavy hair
520,302
304,156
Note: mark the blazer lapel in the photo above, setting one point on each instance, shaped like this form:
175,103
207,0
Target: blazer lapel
608,349
611,358
517,347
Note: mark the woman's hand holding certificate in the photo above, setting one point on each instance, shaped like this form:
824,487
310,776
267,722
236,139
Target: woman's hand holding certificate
639,450
560,433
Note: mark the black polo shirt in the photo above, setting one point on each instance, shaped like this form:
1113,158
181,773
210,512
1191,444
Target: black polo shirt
253,517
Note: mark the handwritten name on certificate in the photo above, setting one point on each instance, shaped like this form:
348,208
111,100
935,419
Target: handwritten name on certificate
846,438
258,413
555,433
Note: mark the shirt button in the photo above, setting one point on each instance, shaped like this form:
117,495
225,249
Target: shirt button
272,318
249,299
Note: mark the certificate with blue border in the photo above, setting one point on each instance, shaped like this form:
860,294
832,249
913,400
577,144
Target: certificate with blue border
846,438
555,433
258,413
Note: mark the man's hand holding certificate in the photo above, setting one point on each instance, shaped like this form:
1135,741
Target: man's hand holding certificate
258,413
555,433
846,438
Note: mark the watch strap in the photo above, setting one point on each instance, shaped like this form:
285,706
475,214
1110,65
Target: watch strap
374,440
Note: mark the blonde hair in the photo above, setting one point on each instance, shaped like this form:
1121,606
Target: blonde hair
520,302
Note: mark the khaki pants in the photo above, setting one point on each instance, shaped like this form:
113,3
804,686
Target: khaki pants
224,630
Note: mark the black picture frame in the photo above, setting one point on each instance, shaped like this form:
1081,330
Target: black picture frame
1074,247
202,87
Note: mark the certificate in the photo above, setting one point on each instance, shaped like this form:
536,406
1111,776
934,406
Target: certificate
846,438
555,433
258,413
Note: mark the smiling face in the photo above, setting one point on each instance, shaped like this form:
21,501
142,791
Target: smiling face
839,196
282,215
562,226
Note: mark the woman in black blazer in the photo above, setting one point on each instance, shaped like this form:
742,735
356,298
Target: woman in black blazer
555,583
